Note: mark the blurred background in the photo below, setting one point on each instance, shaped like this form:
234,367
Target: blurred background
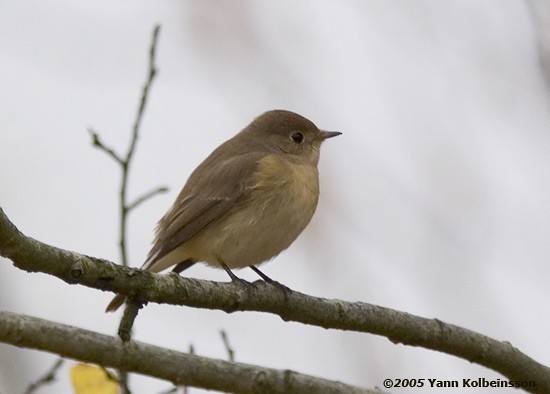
434,200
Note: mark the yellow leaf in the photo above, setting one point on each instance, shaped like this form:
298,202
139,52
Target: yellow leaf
91,379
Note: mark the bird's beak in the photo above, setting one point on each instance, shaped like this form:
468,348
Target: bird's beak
329,134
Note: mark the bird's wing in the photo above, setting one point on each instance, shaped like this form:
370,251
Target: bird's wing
202,201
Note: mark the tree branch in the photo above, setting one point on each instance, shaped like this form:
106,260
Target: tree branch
151,73
125,162
399,327
146,196
179,368
96,142
228,348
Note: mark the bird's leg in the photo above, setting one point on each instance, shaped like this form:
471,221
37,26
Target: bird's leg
183,266
269,280
262,275
234,278
229,272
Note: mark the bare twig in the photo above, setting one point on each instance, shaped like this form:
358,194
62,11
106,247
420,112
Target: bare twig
48,377
124,206
146,196
126,161
151,73
228,348
96,142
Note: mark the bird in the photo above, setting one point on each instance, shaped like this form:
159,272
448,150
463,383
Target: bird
246,202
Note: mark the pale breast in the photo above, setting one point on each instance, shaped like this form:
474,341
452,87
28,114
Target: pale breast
280,205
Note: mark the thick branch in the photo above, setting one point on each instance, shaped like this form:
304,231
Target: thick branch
179,368
400,327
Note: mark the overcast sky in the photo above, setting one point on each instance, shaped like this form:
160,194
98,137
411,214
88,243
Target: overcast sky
434,200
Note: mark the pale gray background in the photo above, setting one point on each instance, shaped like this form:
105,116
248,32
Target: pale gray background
434,201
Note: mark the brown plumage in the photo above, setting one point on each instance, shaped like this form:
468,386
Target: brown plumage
246,202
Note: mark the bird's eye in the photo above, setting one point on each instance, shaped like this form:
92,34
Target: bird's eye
297,137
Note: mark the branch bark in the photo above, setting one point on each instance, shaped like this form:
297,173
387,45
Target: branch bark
179,368
399,327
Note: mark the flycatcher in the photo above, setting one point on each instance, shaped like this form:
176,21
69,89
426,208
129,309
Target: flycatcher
246,203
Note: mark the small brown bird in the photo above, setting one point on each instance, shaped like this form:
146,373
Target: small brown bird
246,203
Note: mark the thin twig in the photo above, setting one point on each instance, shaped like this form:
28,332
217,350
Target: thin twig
152,71
124,206
146,196
48,377
96,142
228,348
